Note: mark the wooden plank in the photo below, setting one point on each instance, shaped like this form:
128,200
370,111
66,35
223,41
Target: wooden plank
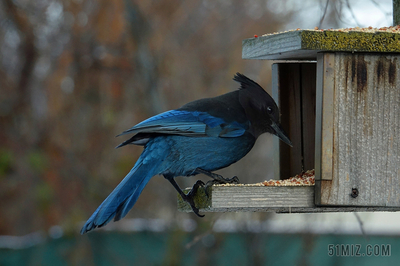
276,143
318,130
268,199
266,46
365,147
324,126
327,114
306,44
251,198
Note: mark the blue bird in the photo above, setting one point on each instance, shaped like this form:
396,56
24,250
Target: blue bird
200,137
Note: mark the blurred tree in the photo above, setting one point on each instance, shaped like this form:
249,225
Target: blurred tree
74,73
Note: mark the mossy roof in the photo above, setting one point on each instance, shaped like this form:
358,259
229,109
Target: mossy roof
305,44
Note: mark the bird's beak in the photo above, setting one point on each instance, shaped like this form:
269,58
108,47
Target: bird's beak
281,133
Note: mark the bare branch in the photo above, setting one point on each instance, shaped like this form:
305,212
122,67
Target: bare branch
352,13
323,16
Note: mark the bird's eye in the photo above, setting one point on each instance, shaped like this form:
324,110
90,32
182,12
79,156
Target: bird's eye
270,110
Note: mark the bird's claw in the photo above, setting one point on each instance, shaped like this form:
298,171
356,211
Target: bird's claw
189,197
221,180
233,180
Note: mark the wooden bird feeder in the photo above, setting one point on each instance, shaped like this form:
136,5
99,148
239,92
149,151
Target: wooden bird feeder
339,97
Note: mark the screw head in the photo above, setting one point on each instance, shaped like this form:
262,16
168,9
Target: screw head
354,193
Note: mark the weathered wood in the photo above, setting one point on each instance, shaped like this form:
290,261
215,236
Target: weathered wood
364,148
293,88
250,198
324,116
267,199
306,44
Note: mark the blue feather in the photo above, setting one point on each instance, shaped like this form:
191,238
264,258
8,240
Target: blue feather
125,195
177,122
233,130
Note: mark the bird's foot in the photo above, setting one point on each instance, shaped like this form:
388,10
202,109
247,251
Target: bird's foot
189,197
218,179
233,180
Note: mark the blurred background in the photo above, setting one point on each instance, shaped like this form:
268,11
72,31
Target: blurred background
75,73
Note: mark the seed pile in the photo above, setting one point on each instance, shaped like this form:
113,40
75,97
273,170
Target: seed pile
302,179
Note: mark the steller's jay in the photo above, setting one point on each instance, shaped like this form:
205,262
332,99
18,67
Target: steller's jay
200,137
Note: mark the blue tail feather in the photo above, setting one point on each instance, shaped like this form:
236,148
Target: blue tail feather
123,197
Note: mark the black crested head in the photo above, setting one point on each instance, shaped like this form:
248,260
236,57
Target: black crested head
245,82
260,108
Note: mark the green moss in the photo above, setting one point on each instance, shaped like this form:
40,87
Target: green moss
350,41
200,200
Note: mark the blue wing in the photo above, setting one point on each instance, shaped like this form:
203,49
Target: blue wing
185,123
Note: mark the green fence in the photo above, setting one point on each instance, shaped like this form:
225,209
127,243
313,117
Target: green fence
183,248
